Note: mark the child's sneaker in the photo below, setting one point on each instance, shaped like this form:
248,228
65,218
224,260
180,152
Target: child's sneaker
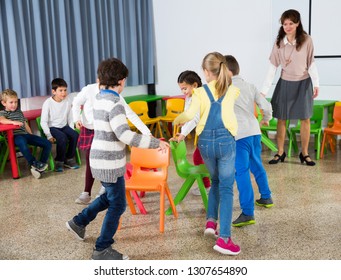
267,203
228,248
243,220
84,198
78,231
71,163
35,173
59,166
211,229
108,254
39,166
101,191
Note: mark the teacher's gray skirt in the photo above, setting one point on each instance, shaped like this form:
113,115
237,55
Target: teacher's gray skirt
293,100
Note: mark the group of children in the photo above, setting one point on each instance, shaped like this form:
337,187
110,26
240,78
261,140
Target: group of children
229,144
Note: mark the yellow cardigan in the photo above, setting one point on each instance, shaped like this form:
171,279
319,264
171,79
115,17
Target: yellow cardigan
200,101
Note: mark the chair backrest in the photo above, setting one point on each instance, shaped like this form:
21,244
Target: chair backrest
337,117
140,108
174,107
41,131
317,117
149,163
179,154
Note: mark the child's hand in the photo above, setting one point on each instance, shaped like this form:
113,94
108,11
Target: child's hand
52,140
265,123
163,146
78,124
17,123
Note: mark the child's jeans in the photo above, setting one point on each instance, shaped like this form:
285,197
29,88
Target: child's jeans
23,140
114,199
218,149
248,159
65,136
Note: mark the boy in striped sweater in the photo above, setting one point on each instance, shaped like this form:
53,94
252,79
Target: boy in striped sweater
108,158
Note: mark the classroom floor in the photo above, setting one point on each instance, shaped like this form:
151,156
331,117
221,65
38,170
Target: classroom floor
305,222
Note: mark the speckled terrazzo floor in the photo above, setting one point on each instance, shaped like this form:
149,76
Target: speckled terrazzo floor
305,222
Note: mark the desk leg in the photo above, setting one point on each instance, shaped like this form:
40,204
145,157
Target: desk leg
12,154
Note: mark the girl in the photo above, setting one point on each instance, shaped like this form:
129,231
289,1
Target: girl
188,81
217,145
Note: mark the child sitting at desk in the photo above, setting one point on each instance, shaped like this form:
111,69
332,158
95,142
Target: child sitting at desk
23,135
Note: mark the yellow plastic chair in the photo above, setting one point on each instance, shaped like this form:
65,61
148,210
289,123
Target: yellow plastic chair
150,173
174,107
42,134
332,131
141,110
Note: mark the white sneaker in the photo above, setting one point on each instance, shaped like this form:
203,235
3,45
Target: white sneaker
101,191
35,173
196,191
84,198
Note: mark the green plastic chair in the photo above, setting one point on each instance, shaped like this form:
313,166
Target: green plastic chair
42,134
315,129
189,172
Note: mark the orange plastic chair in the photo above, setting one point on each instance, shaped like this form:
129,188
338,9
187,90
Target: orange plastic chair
152,179
141,109
331,131
174,107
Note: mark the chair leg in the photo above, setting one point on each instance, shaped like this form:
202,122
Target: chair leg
139,203
78,157
130,203
171,201
162,209
323,144
203,192
182,192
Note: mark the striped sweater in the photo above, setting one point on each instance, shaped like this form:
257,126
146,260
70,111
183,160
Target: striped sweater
112,134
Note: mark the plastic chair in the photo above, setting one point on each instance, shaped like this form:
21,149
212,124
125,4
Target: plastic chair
141,109
189,172
315,129
143,179
332,131
42,134
174,107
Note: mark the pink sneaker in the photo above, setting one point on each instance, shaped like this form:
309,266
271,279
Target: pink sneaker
228,248
211,229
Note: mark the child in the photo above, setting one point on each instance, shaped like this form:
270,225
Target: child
248,146
23,136
108,158
216,129
188,81
86,98
56,122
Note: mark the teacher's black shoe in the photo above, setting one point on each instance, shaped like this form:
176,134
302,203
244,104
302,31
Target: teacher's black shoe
304,159
278,158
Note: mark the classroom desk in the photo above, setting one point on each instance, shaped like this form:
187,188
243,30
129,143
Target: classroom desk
327,104
8,128
148,98
31,115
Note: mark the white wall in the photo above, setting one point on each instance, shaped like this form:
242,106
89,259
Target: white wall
186,30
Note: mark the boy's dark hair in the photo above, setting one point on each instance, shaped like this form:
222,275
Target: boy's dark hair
189,77
232,64
58,82
110,72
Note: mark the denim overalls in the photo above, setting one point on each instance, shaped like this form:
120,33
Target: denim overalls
218,149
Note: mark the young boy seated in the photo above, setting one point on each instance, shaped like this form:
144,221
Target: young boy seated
56,122
23,135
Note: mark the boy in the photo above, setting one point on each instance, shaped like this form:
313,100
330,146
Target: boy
108,158
56,122
248,146
23,136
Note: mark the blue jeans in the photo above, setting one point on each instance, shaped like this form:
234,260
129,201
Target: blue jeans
23,140
218,149
114,199
66,140
249,159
